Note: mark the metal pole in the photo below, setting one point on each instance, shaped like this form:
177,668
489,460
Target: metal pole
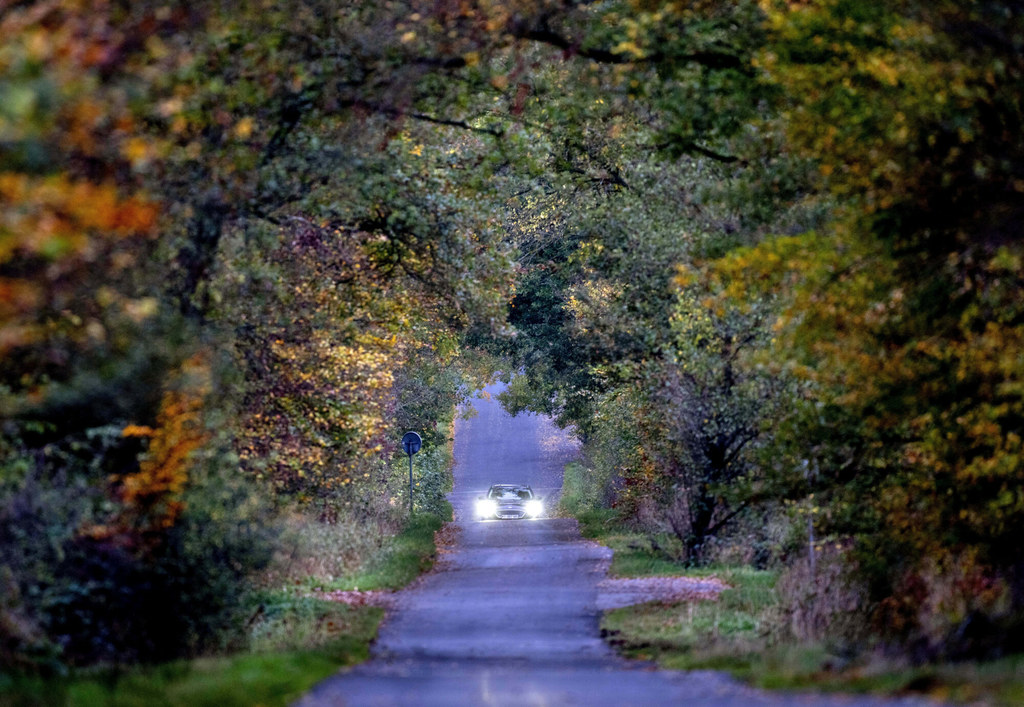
411,443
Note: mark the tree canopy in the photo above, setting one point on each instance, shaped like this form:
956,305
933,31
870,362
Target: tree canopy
760,254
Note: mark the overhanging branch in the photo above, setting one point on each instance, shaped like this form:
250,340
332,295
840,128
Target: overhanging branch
709,153
572,47
396,112
495,132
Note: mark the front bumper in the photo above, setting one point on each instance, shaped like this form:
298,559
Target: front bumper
490,509
511,512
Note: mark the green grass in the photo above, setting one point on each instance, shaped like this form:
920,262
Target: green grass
581,490
411,553
687,635
792,666
736,634
407,555
719,634
636,554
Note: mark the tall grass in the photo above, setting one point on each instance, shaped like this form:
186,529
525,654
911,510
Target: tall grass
749,632
583,490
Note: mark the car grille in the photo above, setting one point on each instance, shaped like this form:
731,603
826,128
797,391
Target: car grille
511,513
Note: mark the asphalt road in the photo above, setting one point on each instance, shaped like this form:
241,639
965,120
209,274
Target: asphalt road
509,615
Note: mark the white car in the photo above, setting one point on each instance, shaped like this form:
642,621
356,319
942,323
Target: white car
509,501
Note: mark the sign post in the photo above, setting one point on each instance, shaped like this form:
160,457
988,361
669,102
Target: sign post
411,443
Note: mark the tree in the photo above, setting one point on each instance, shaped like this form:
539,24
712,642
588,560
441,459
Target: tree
710,410
903,315
156,162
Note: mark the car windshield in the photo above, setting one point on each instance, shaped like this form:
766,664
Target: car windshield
505,493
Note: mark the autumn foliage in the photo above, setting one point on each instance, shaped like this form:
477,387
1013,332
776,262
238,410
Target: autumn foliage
902,316
763,255
218,308
855,198
151,497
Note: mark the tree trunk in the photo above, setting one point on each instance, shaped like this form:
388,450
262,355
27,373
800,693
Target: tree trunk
196,257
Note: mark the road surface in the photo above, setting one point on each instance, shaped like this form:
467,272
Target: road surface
509,616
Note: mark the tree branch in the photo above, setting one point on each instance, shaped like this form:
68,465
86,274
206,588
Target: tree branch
711,154
545,35
570,47
395,112
455,62
739,509
495,132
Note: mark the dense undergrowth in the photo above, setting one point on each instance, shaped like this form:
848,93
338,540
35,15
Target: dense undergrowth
293,640
322,638
748,631
284,637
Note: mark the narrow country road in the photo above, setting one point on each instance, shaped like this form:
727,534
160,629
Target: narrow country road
509,616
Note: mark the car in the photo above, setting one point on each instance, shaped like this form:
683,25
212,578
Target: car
504,501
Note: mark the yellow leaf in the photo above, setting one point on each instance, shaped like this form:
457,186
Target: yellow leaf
136,150
243,128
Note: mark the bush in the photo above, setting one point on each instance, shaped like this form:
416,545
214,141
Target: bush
822,603
583,489
114,601
951,606
81,587
318,550
289,622
45,497
347,538
432,480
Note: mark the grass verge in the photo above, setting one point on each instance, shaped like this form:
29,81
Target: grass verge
409,554
721,634
726,635
635,554
738,633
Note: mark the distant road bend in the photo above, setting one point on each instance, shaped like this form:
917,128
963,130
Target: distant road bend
510,616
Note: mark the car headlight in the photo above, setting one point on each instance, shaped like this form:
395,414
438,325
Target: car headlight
534,507
486,507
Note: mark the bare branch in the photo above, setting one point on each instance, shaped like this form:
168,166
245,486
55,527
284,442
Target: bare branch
396,112
736,511
709,153
544,35
495,132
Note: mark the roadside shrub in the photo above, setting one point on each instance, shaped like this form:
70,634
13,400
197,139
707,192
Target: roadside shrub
822,602
583,489
81,585
287,622
337,538
757,538
46,495
114,599
432,480
223,538
23,645
950,606
947,608
320,550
